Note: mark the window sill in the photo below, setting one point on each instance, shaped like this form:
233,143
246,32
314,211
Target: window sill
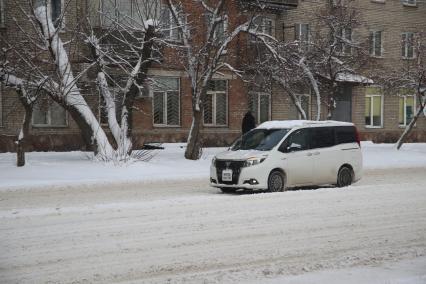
377,56
408,58
373,127
215,126
344,54
166,126
404,126
379,1
174,41
49,126
409,5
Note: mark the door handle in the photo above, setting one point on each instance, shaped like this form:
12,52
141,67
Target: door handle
317,153
309,154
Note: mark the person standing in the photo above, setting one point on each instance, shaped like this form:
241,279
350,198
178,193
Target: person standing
249,122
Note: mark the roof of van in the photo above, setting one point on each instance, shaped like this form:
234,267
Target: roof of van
298,123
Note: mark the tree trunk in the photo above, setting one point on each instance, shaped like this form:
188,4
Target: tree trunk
23,134
193,148
85,129
409,127
140,78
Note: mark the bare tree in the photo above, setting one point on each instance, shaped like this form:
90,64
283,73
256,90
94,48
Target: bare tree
333,52
409,78
204,59
43,61
285,65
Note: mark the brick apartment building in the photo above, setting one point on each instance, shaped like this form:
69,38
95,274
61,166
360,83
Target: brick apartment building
166,116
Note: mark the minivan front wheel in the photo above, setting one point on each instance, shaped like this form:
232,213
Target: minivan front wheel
344,177
276,181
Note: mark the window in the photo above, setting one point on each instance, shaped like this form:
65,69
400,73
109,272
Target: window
2,14
322,137
406,109
166,102
268,26
220,31
263,25
260,106
373,111
216,104
260,139
409,2
408,45
297,141
376,43
129,12
302,35
48,113
344,39
345,134
56,10
170,28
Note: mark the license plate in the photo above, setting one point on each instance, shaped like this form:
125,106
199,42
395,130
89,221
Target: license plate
227,175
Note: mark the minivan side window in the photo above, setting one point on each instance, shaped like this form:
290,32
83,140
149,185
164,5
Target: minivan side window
297,141
345,134
322,137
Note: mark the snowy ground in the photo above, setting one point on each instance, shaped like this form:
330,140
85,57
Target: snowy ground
106,227
77,168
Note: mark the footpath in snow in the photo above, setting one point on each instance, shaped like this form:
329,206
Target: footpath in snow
78,168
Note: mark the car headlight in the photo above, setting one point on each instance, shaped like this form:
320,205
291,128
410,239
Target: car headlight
253,161
214,162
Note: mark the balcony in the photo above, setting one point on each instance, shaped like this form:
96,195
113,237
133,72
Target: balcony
279,4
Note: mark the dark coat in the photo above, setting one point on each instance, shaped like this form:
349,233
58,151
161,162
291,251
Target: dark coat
249,122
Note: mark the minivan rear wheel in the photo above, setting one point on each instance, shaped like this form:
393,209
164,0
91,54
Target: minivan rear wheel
344,177
276,181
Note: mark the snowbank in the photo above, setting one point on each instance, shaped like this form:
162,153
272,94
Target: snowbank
72,168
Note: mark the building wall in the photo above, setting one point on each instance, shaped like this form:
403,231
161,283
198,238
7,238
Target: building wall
63,138
391,16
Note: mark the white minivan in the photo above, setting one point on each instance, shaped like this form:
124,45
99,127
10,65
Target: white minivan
290,153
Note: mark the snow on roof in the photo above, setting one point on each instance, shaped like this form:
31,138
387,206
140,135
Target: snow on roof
297,123
353,78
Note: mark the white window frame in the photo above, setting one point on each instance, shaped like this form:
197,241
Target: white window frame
134,16
344,44
272,22
214,111
299,35
405,104
406,43
49,120
2,15
373,43
49,10
410,3
261,28
225,29
172,28
370,96
258,95
165,94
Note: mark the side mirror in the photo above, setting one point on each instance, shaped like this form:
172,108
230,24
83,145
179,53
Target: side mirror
294,147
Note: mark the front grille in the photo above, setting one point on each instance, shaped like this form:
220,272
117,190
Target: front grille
235,166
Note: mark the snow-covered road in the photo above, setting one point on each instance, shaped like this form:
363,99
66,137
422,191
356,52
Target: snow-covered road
185,231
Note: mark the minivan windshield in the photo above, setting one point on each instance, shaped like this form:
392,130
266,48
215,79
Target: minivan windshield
260,139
